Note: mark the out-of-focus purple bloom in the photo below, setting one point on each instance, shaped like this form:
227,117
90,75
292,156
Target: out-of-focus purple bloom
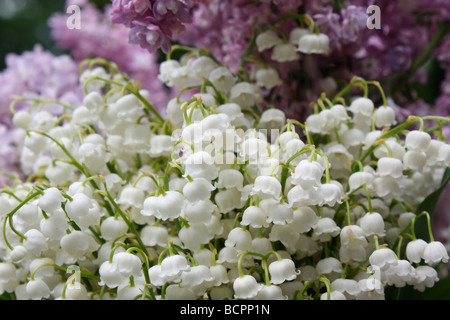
354,19
33,74
152,23
38,74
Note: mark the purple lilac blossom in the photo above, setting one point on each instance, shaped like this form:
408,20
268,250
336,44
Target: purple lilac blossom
39,74
33,74
152,24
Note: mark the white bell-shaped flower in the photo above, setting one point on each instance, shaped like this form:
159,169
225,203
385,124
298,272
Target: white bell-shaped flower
42,268
222,78
291,148
175,292
401,274
254,150
240,239
267,40
314,44
7,271
17,254
271,292
246,287
348,287
168,206
137,137
202,66
295,35
220,275
27,217
51,200
425,277
255,217
196,276
385,117
110,276
199,212
131,197
194,236
284,52
228,200
160,146
199,189
230,178
22,119
386,187
331,267
359,179
417,140
272,119
35,242
201,165
173,112
282,270
173,266
363,106
37,289
267,78
307,174
261,245
372,223
390,167
370,289
77,245
333,295
127,264
304,218
415,250
155,235
267,187
325,229
228,256
112,227
76,291
414,160
331,193
434,253
165,71
353,237
245,94
280,213
383,258
299,197
156,277
405,219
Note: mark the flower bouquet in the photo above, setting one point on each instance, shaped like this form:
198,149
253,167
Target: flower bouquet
221,191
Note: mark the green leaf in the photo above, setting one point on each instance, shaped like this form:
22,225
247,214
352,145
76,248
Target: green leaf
429,205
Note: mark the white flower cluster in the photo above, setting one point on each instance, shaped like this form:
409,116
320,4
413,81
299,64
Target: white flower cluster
216,201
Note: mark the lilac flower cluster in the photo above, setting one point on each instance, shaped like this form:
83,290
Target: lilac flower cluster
152,23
